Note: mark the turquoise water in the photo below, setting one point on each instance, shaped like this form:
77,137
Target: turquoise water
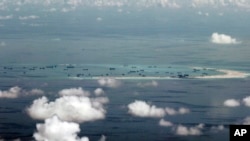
95,71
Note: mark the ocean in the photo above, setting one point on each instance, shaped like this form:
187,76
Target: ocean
158,73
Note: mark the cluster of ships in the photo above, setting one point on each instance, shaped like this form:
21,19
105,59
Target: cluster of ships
88,71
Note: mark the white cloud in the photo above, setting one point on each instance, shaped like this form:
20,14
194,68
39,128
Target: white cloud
99,101
17,9
205,14
231,103
143,109
221,14
65,10
199,3
99,91
109,82
74,2
222,39
148,84
52,10
35,25
217,128
183,111
103,138
68,108
16,92
185,131
246,121
246,101
171,111
2,44
6,17
55,129
99,19
235,103
166,3
120,10
165,123
109,3
199,13
241,3
36,92
28,17
221,3
74,91
56,39
69,4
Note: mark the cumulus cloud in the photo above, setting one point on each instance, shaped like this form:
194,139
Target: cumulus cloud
166,3
6,17
99,19
199,3
165,123
186,131
205,14
221,3
98,3
235,103
246,121
65,10
55,129
74,2
109,82
103,138
52,10
171,111
217,128
74,91
35,25
213,3
28,17
99,101
99,91
222,39
143,109
16,92
2,44
242,4
148,84
231,103
36,92
68,108
246,101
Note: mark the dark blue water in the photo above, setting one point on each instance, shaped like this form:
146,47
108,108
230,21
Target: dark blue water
203,97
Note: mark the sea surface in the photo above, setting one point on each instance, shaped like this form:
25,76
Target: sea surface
156,56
